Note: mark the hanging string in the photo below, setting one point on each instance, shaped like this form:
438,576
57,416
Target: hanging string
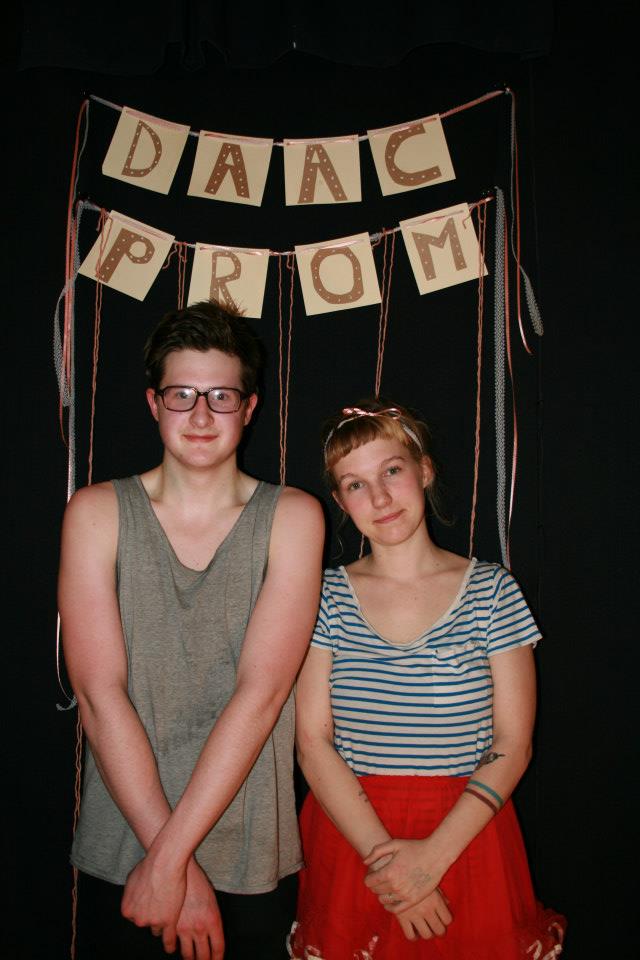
104,234
77,792
514,196
482,232
361,137
384,309
514,449
284,391
499,372
63,343
179,247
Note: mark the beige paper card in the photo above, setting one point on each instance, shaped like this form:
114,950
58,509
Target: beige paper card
234,276
145,150
322,171
230,168
337,274
127,255
443,248
411,155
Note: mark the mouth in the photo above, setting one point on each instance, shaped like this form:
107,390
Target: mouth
198,437
389,518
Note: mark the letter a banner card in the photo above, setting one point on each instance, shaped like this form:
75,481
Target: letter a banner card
230,168
337,274
145,150
127,255
411,155
443,248
233,276
322,171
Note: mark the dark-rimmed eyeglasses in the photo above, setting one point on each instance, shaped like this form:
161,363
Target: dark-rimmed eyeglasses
220,399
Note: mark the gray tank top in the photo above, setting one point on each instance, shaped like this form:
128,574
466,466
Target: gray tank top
184,630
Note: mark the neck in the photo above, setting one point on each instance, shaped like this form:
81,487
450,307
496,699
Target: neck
404,561
193,488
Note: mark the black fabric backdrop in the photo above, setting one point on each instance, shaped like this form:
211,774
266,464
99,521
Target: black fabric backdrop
574,514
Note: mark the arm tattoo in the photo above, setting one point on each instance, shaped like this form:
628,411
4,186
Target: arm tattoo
489,757
364,796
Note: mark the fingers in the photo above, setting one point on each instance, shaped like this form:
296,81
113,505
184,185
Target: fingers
169,938
386,849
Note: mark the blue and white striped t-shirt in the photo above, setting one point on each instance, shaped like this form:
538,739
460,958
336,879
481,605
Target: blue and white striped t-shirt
423,707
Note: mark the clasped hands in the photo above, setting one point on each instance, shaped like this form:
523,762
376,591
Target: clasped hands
178,905
406,883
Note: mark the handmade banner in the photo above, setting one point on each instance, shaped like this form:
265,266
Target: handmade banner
127,255
234,276
443,248
411,155
322,171
145,150
230,168
338,274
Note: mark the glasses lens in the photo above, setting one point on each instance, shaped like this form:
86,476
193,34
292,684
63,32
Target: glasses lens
179,398
224,399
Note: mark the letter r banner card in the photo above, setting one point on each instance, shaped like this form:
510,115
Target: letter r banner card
337,274
230,168
443,248
145,150
127,256
411,155
233,276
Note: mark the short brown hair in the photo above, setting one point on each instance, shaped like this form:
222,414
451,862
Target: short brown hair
205,326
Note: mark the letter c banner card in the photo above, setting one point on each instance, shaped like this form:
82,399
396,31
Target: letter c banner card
411,155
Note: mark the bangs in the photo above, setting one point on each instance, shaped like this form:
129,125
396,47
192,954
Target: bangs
355,433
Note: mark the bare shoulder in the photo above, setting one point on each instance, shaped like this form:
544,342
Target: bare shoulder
295,507
92,512
453,561
298,527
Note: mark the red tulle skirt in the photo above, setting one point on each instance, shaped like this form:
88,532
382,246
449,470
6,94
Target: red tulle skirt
495,913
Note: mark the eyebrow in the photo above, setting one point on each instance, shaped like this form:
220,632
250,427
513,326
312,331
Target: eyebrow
397,456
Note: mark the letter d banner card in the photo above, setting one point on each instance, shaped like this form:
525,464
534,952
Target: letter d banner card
145,151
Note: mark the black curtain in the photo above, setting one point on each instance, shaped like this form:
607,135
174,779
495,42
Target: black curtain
573,535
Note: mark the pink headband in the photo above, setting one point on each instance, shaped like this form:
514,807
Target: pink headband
355,413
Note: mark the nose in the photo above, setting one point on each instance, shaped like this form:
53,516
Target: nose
380,496
201,413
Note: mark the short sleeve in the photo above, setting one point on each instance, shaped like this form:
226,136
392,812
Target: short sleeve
511,623
322,632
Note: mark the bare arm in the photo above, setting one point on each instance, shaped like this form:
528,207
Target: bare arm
334,784
273,648
338,790
417,866
96,659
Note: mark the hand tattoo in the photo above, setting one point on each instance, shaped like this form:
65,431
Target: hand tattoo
489,757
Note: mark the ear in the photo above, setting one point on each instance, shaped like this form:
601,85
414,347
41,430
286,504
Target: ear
153,403
428,473
250,407
336,497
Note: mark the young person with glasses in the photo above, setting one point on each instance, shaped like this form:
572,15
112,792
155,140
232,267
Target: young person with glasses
187,596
